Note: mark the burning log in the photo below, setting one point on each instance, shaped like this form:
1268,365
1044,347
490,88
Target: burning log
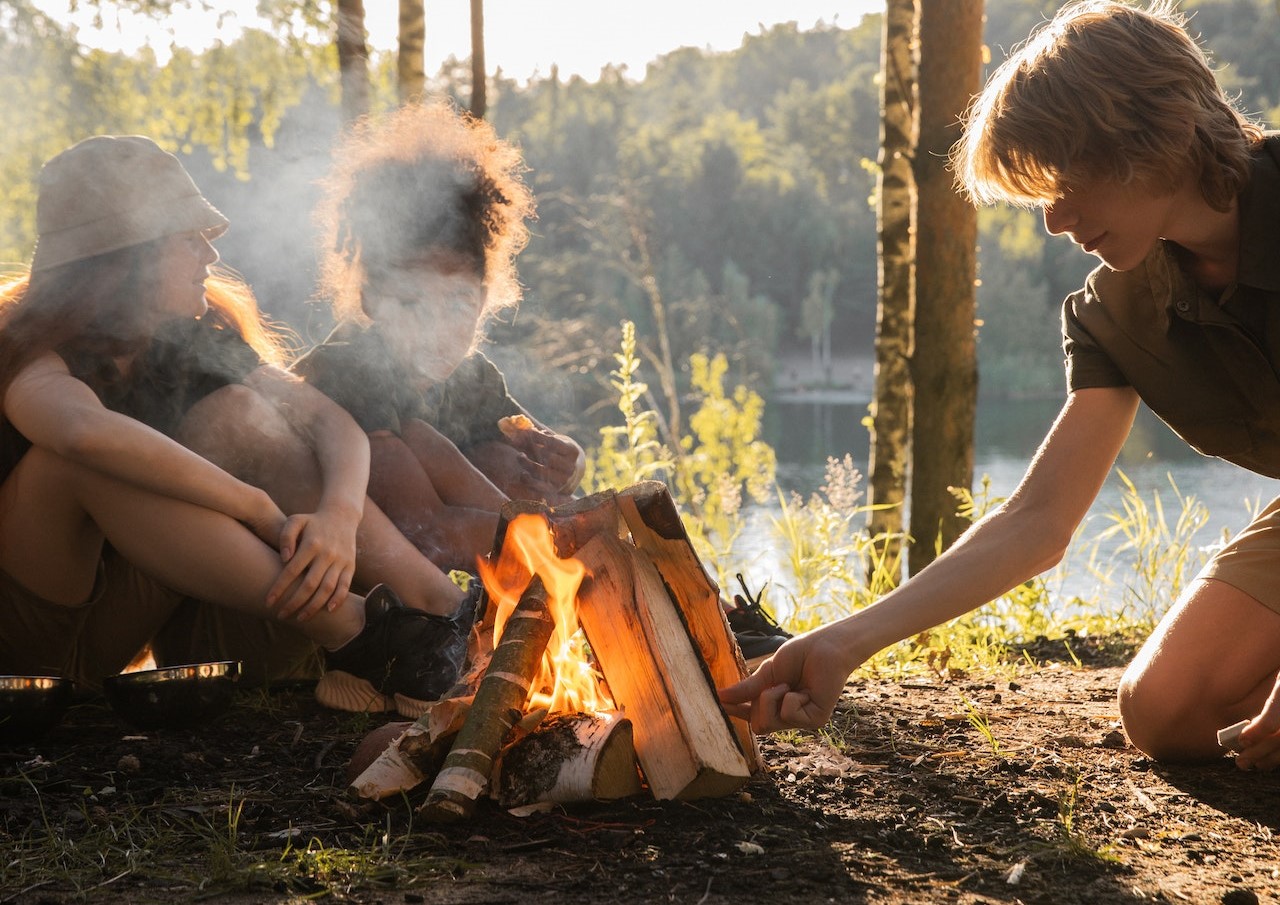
683,739
498,706
575,757
657,631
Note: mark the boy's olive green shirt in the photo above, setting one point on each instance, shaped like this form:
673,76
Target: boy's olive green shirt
1209,368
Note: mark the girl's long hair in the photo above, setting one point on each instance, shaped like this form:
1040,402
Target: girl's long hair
91,312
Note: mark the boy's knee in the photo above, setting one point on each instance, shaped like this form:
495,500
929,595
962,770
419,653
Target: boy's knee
1163,719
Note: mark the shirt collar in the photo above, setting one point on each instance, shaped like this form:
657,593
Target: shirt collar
1260,223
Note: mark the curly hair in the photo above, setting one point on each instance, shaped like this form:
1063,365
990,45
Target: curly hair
1104,91
425,176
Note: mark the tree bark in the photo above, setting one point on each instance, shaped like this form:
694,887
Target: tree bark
353,59
895,312
944,363
498,706
479,103
411,78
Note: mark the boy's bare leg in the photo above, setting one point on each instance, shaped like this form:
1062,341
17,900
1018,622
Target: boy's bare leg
1211,661
243,433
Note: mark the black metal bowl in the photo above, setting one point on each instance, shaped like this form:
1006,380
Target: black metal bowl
31,705
172,696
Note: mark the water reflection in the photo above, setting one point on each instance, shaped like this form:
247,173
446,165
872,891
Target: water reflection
1006,436
1007,433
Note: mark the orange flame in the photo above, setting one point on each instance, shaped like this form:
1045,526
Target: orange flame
566,681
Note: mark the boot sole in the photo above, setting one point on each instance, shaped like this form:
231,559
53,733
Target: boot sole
340,690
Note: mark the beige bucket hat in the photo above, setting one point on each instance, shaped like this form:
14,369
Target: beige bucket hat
112,191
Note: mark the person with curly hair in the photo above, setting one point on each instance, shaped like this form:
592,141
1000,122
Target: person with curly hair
1110,120
422,218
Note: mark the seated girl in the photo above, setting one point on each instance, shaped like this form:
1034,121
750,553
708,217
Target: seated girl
112,357
423,217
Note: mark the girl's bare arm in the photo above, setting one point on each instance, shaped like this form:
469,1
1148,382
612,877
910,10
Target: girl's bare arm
59,412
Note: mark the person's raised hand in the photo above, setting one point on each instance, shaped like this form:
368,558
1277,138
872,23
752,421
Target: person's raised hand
515,474
563,461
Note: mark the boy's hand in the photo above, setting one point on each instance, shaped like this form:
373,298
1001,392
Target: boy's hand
1259,743
797,687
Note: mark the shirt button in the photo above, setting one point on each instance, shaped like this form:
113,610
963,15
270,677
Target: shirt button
1184,306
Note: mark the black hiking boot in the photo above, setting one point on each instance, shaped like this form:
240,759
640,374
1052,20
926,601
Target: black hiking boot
402,660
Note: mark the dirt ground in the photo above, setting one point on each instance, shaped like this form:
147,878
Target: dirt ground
1009,788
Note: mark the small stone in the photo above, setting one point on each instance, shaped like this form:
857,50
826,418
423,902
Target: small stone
1239,896
1114,739
129,764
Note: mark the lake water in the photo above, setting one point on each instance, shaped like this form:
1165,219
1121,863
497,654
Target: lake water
1007,433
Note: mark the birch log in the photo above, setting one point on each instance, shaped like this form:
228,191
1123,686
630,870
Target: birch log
574,757
498,706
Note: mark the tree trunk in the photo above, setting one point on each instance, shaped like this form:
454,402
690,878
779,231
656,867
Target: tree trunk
353,59
895,312
411,77
944,363
479,104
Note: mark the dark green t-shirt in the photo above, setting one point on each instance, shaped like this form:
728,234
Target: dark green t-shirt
354,368
1208,367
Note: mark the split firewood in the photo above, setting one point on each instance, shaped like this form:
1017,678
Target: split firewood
573,757
571,524
684,741
659,533
498,706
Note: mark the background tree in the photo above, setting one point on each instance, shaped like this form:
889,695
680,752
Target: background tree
890,421
944,367
411,39
353,58
479,97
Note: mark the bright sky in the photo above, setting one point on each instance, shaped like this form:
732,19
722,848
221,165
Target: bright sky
522,37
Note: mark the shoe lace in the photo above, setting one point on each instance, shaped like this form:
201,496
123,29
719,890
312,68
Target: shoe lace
751,615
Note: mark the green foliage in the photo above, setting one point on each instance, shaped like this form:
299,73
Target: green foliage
629,452
827,566
745,174
1156,555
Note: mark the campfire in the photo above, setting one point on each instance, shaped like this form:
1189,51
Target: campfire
593,672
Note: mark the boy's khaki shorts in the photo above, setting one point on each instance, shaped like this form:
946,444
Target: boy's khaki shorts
1251,561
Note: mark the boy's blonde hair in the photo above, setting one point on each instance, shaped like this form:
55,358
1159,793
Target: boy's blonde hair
1104,91
423,177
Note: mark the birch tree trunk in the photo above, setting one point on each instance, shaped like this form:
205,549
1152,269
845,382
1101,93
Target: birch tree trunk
895,311
944,364
479,103
411,77
353,59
